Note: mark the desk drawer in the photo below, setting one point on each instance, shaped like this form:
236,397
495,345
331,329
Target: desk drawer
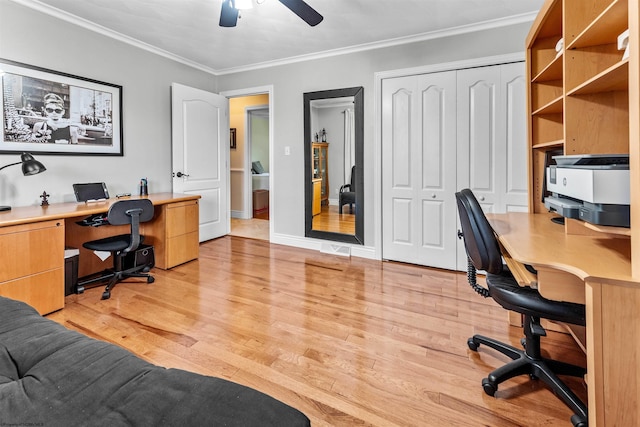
31,248
43,291
182,218
181,249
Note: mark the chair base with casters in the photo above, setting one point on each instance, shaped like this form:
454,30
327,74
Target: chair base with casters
132,212
116,274
484,253
530,360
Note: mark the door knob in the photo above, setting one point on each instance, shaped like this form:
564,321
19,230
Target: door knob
460,235
180,174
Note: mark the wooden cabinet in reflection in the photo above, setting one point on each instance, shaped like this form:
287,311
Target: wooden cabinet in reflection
317,193
319,160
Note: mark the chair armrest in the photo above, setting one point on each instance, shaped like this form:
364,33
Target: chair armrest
344,187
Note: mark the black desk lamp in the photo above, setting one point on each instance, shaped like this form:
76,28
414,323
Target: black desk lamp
30,166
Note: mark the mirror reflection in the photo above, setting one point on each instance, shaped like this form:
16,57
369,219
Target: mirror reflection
333,149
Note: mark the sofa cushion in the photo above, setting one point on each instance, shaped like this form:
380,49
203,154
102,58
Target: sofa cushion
61,377
8,369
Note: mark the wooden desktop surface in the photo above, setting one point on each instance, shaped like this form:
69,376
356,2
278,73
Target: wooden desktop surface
30,214
534,239
33,239
596,271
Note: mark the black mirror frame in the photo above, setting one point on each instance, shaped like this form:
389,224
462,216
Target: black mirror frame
358,94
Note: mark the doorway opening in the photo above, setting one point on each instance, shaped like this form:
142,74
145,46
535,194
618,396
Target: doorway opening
250,160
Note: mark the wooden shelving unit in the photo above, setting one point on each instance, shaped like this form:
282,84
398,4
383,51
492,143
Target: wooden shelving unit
320,163
579,95
585,99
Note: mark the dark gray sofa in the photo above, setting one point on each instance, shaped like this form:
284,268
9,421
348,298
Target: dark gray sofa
53,376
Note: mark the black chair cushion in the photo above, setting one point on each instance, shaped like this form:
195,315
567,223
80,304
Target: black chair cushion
504,289
111,243
347,197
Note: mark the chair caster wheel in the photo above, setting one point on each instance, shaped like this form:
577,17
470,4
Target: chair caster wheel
578,421
106,295
150,279
489,388
523,343
472,344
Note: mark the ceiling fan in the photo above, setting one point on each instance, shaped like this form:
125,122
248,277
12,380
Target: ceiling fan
229,13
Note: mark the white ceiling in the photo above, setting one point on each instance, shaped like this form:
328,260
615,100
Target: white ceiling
270,33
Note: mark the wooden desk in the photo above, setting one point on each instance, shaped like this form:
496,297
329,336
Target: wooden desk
596,271
33,238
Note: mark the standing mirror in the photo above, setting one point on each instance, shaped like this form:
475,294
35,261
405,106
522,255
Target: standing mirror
333,147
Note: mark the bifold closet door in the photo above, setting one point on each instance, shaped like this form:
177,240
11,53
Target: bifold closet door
418,169
492,138
442,132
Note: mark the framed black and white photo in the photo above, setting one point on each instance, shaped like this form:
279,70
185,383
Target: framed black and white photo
50,112
232,138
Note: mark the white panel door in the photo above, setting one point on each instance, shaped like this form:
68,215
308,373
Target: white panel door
418,130
200,135
514,94
492,144
442,132
492,136
481,147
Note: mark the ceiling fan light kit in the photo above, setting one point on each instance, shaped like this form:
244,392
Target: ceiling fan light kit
230,11
243,4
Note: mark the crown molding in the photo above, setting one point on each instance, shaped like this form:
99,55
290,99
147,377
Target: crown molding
486,25
471,28
92,26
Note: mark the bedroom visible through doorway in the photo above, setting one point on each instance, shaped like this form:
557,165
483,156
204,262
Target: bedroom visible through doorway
250,166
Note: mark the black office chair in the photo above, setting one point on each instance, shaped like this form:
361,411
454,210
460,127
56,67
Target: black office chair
484,253
348,197
133,212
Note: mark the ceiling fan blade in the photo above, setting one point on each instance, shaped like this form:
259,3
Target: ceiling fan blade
228,14
304,11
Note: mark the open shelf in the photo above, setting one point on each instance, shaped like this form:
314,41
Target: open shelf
612,231
549,145
614,78
553,71
606,28
552,107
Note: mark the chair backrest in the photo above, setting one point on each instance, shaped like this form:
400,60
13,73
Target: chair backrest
480,241
352,188
134,212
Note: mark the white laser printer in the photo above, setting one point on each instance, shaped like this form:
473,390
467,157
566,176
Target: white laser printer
593,188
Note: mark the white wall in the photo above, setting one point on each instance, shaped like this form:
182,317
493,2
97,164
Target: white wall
355,69
25,36
34,38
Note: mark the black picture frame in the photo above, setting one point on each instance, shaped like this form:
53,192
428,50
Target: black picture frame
232,138
50,112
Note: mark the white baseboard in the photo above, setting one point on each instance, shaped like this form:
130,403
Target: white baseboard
240,215
359,251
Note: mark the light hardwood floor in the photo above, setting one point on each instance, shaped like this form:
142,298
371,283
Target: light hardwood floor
347,341
253,228
329,219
